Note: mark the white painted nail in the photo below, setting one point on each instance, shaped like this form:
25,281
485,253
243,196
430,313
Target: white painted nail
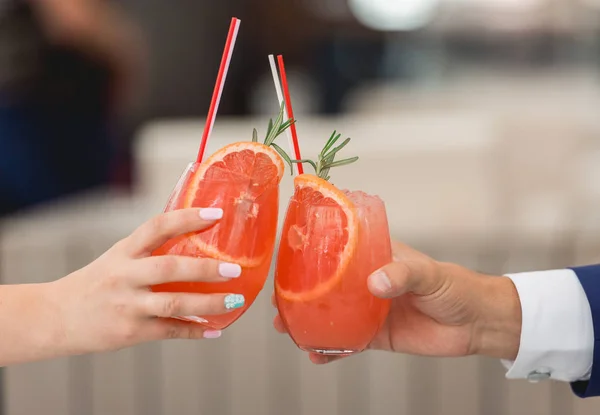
211,213
229,270
212,334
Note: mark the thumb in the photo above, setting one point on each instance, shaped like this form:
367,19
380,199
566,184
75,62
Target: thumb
398,278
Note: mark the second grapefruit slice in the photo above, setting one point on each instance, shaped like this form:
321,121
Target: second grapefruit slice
319,240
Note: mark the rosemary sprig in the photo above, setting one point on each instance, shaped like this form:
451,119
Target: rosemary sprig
326,158
274,130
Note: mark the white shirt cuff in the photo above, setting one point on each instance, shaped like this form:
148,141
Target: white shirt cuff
557,334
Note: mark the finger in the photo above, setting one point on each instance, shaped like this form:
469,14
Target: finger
320,359
278,324
158,230
161,329
185,304
403,252
172,268
398,278
273,300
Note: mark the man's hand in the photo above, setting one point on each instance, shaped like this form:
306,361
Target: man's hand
442,309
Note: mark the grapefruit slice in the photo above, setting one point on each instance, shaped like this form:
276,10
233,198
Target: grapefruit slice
319,240
252,160
242,179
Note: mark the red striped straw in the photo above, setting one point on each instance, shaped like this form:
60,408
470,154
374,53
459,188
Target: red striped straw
218,91
290,111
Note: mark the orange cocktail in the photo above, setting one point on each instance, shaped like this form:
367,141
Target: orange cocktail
332,240
242,179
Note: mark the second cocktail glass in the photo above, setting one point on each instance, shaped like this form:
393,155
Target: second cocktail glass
331,242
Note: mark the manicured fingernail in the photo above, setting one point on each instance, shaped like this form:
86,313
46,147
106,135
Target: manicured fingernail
211,213
212,334
233,301
380,280
229,270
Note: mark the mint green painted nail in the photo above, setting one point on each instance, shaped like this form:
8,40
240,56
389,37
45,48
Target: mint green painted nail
233,301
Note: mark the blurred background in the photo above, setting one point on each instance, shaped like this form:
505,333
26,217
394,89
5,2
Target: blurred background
476,121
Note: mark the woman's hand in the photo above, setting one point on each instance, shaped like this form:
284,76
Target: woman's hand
108,304
441,309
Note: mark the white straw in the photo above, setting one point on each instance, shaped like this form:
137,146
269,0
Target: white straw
288,132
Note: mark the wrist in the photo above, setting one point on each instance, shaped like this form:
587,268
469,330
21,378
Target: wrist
28,319
44,321
498,327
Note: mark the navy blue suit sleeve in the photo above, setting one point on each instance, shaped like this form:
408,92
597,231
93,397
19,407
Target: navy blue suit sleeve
589,277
